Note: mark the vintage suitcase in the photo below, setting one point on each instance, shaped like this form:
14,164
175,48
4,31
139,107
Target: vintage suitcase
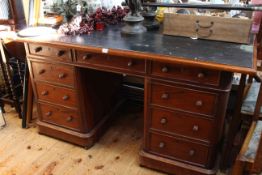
208,27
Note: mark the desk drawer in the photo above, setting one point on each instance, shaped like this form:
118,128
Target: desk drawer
53,73
175,148
57,95
114,62
60,116
191,74
57,53
184,99
175,122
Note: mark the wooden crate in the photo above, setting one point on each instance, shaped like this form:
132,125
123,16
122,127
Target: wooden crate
208,27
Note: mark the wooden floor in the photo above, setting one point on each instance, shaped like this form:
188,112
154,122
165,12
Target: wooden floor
25,152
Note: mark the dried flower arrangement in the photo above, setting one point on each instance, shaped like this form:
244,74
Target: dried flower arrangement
85,24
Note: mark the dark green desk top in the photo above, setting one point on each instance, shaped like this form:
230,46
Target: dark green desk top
214,53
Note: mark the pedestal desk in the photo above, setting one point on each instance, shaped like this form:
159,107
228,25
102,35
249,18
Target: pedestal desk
186,88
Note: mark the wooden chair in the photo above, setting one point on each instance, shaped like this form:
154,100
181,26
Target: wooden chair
249,160
12,71
17,87
244,109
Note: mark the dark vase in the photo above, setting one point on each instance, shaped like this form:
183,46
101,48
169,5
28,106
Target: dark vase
68,18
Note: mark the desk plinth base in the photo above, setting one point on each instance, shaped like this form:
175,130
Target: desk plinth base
86,140
171,166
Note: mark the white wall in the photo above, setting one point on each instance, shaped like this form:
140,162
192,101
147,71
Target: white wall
111,3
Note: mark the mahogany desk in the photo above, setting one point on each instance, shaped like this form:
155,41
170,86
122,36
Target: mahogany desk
187,84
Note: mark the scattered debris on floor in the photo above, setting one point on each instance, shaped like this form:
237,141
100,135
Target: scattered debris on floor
98,167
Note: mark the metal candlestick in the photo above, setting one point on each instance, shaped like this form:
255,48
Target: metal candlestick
133,20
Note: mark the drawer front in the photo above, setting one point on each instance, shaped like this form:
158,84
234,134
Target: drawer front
111,61
53,73
182,124
184,99
57,95
191,74
60,116
178,149
57,53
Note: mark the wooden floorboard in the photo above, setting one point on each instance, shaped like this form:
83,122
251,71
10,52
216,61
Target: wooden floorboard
25,152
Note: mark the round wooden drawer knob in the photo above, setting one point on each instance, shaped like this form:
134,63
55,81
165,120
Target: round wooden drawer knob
38,49
164,69
195,128
44,93
65,97
87,56
162,145
163,121
60,53
199,103
41,71
192,152
164,96
130,63
201,75
61,76
48,113
69,119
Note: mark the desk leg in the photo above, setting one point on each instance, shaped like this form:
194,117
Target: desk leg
234,124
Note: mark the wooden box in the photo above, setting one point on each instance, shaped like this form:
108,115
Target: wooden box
208,27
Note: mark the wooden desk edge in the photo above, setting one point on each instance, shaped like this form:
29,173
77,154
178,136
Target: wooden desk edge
155,57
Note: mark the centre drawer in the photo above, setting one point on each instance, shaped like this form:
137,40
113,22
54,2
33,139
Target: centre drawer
184,99
175,122
60,116
115,62
57,95
53,73
178,149
50,52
